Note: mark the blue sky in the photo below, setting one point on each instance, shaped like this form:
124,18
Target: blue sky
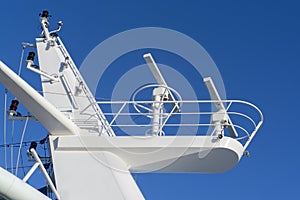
255,45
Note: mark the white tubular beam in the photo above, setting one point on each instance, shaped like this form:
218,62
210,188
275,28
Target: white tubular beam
30,172
11,187
49,181
41,73
53,120
252,135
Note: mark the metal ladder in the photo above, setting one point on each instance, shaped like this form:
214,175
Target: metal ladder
105,125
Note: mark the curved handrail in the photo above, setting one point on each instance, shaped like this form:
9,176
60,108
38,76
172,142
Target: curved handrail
255,119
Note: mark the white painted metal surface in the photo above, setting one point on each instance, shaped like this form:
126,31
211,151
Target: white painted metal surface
154,69
53,120
88,164
157,107
205,154
221,117
13,188
81,174
44,171
159,78
70,95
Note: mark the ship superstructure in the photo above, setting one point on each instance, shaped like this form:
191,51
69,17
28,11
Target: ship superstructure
90,160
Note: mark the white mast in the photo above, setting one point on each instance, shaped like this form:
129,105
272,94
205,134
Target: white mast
89,160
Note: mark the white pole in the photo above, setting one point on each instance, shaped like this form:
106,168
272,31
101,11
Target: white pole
45,24
4,128
156,114
38,160
30,172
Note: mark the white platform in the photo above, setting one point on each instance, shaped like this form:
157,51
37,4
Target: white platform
204,154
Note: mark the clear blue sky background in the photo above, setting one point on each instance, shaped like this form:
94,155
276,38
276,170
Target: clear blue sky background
256,47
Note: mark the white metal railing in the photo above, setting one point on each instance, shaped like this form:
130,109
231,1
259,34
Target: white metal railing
246,117
85,89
